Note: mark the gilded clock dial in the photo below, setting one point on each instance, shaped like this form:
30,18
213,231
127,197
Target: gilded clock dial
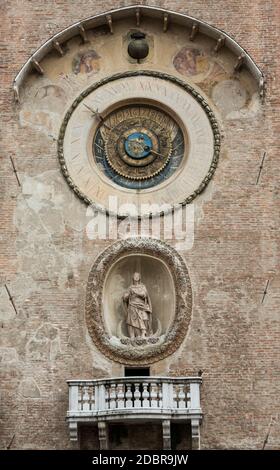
138,146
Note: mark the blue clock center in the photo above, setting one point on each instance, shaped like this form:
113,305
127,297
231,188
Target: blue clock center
138,145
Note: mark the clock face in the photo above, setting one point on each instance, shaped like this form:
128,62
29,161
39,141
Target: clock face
144,134
138,146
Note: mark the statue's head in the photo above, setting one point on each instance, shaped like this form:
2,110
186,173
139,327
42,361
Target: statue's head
136,278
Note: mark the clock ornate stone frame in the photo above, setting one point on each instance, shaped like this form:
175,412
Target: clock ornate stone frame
147,351
198,166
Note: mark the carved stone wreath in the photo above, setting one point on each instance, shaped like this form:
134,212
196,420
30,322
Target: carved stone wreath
132,354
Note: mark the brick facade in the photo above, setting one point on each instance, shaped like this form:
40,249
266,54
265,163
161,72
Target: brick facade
234,337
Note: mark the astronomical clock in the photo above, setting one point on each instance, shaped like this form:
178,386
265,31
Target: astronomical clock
147,134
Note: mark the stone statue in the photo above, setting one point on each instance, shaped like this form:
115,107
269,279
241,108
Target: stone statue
138,309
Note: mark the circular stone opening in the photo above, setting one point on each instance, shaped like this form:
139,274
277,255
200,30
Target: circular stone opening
158,281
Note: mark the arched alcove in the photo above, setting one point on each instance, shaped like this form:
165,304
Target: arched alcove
157,278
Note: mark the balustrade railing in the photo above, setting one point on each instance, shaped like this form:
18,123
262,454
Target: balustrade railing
134,393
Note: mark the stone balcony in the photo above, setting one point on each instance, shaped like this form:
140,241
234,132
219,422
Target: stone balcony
135,399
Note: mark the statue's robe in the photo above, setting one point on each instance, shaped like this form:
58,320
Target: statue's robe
139,310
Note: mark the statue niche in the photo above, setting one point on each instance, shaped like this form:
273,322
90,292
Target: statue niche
138,300
138,309
138,303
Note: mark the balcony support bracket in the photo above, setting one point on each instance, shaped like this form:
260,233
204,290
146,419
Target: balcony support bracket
103,435
166,434
195,434
73,430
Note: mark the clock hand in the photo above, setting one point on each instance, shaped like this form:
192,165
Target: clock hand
146,148
153,151
95,113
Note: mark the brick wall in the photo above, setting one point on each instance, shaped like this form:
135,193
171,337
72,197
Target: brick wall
45,256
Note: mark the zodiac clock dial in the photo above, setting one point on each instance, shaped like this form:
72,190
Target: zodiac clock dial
138,146
147,134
